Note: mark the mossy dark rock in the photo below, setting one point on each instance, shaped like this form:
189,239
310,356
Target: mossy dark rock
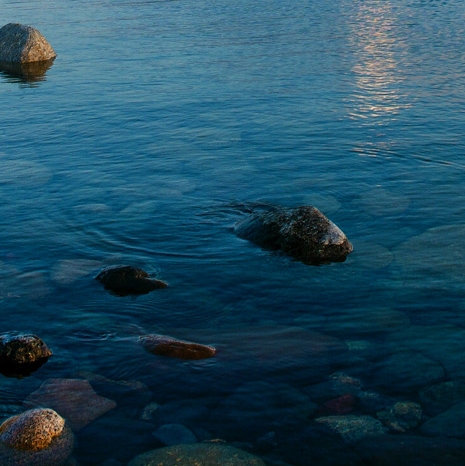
168,346
302,232
23,44
21,354
36,437
197,454
124,280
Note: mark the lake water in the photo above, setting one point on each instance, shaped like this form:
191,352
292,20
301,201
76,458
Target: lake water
160,125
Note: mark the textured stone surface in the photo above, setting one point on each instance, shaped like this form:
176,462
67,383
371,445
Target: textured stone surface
167,346
401,417
353,428
37,437
32,430
21,353
124,280
74,399
197,454
303,232
23,44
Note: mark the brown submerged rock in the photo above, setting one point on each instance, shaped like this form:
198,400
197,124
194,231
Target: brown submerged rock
23,44
167,346
21,354
36,437
302,232
74,399
124,280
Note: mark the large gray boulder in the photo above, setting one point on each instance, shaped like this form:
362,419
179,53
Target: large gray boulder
302,232
24,44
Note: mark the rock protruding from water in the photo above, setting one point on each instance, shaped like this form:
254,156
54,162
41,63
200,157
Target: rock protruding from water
195,454
302,232
35,437
21,354
24,44
164,345
125,280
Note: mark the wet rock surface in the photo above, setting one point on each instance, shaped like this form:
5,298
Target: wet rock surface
302,232
21,354
35,437
163,345
353,428
196,454
125,280
23,44
401,417
174,434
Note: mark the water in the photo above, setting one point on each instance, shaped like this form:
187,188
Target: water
158,124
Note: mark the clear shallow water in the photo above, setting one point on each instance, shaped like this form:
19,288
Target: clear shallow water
156,123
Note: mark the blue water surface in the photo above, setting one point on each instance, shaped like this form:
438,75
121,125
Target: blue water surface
162,123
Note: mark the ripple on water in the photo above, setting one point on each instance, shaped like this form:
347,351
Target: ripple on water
436,256
24,173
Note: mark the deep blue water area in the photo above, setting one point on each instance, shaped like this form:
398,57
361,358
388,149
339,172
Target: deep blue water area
161,124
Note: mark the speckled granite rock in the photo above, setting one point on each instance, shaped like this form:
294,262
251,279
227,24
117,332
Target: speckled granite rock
124,280
167,346
197,454
24,44
36,437
353,428
303,233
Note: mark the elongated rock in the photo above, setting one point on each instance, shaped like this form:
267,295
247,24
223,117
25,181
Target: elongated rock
168,346
24,44
303,233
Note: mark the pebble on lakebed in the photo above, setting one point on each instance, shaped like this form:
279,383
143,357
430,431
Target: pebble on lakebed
167,346
125,280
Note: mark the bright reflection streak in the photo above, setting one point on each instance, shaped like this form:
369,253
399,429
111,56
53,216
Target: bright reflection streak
378,50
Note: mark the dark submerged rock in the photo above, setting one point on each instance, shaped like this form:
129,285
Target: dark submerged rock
302,232
124,280
23,44
197,454
167,346
21,354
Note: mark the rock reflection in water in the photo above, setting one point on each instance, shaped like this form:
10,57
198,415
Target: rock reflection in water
25,73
